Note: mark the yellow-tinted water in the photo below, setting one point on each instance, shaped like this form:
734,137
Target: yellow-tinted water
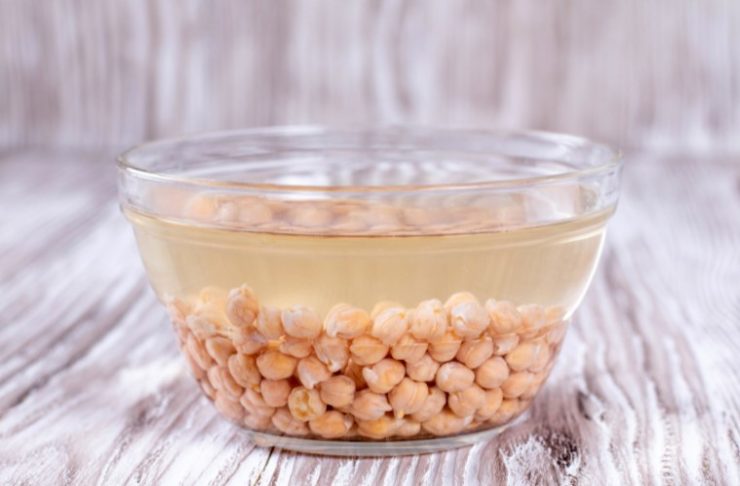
548,265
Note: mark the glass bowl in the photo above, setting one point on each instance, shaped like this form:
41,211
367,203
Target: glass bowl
370,291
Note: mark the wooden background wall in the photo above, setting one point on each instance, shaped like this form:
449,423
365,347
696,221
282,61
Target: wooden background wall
658,74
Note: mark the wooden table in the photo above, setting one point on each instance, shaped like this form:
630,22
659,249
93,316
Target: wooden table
92,389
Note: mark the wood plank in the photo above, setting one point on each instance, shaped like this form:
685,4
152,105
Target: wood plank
93,391
662,74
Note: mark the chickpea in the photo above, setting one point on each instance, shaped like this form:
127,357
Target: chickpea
366,350
275,392
445,348
542,360
557,333
310,216
202,326
228,407
197,371
378,428
254,404
408,397
433,405
533,318
296,347
506,411
331,425
505,318
469,319
275,365
423,370
311,371
201,207
384,375
211,297
305,404
390,325
301,322
503,345
220,348
353,371
337,391
269,322
332,351
253,212
492,402
198,353
409,349
428,321
243,369
381,306
465,403
492,373
516,384
222,380
208,389
408,428
459,298
475,352
454,377
257,422
524,355
346,321
178,310
369,405
284,421
446,423
242,306
248,340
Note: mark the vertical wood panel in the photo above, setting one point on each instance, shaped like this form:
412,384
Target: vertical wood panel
662,74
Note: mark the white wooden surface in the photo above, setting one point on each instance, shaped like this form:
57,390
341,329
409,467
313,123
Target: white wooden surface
663,74
93,391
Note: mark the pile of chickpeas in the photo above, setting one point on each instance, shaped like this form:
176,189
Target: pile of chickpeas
433,370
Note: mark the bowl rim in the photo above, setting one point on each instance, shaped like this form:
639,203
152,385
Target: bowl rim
612,161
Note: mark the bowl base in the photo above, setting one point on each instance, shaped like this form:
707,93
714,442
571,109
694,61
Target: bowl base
378,448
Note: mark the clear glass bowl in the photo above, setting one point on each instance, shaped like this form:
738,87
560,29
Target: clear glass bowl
370,291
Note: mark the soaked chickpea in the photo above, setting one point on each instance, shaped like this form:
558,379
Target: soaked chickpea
332,351
305,404
429,320
275,392
301,322
269,322
466,402
384,375
475,352
445,348
275,365
284,421
433,405
367,350
311,371
423,370
337,391
435,369
390,325
454,377
346,321
331,425
242,306
409,349
369,405
408,397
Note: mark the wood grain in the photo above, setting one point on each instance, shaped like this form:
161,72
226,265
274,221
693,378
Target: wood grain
663,74
93,391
